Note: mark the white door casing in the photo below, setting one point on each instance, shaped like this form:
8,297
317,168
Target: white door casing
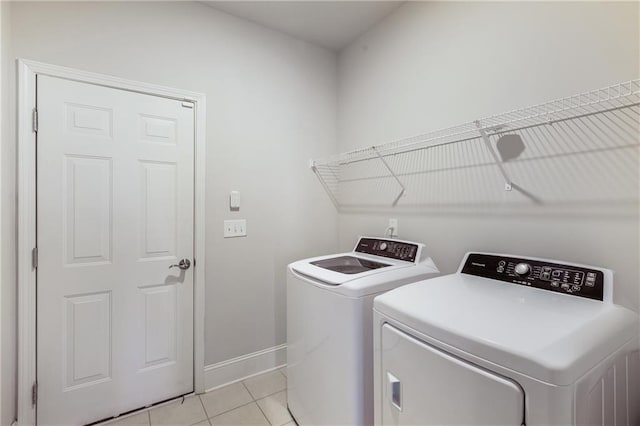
115,209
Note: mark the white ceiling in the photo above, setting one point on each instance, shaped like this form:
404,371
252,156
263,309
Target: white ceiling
332,24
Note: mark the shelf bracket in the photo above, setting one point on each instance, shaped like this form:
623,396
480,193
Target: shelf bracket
314,169
508,185
403,190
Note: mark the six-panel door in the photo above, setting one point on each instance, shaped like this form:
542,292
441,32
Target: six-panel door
115,210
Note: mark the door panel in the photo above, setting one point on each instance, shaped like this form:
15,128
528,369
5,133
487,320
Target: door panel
158,129
160,304
115,209
158,201
88,208
423,385
90,119
88,339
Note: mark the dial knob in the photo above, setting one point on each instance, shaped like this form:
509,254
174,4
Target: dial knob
522,269
383,246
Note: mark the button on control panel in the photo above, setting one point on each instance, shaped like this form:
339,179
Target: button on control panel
567,279
388,248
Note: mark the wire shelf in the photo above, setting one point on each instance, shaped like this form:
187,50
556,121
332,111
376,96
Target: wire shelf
540,151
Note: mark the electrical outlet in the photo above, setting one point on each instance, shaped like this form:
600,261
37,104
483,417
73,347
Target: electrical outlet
393,228
235,228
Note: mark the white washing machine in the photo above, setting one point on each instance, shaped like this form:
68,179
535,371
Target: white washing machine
507,341
329,327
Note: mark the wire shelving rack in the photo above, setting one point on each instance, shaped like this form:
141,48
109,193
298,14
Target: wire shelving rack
470,163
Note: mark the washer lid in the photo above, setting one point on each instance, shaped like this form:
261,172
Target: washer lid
322,268
349,264
552,337
369,281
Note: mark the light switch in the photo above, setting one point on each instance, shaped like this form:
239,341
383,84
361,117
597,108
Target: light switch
234,200
235,228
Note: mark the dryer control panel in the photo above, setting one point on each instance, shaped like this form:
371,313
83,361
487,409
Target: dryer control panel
557,277
399,250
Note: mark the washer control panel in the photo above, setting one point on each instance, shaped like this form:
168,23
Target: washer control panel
567,279
388,248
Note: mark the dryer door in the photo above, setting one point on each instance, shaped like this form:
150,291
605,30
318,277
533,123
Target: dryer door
426,386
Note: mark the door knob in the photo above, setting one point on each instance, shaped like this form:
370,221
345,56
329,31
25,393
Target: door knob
184,264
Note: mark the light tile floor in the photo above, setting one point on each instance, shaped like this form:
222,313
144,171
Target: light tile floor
259,400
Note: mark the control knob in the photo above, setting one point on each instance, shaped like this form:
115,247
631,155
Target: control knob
522,269
382,246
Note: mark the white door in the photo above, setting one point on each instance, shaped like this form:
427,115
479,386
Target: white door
426,386
115,210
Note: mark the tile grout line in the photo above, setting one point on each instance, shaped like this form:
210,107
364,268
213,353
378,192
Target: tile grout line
239,406
267,396
263,413
247,388
206,415
271,394
253,400
231,409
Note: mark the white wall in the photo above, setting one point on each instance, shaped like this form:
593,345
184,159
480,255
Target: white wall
8,303
432,65
271,103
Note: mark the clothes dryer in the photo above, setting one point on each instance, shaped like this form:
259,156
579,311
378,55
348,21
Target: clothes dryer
507,340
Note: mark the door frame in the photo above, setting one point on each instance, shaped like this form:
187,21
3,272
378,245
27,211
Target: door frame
26,137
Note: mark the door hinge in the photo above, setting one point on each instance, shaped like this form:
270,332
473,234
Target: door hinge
34,394
187,104
34,257
35,120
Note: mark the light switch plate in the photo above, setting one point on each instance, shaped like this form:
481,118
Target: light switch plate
235,228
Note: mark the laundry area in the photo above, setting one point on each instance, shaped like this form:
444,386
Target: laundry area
319,213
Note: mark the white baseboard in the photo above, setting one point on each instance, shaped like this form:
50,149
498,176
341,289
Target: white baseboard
245,366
